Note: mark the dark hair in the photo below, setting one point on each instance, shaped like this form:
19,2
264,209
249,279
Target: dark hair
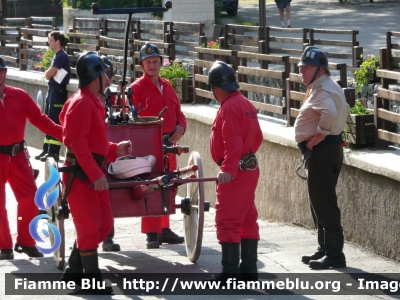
59,36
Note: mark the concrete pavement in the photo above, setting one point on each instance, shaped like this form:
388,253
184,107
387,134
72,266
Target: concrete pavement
280,249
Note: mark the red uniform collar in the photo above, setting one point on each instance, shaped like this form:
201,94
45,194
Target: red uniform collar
86,92
230,96
150,83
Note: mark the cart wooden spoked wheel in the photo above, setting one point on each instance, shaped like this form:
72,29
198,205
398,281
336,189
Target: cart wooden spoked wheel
193,220
59,254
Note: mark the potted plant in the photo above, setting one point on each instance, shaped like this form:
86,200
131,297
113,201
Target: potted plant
45,60
367,71
360,127
179,78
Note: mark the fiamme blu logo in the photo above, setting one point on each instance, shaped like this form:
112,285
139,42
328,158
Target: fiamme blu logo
40,202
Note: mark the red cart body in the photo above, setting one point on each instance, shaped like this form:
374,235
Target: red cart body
146,139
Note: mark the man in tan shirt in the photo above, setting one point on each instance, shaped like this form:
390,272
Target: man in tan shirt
318,131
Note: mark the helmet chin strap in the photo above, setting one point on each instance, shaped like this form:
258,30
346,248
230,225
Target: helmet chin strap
315,75
101,86
4,80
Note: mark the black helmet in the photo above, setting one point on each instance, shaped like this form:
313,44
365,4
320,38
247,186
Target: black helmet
2,63
223,76
149,50
88,67
110,69
312,56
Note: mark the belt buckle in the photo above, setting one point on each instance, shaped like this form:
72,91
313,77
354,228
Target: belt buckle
15,149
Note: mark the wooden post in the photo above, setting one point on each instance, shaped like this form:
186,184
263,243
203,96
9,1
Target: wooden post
350,94
289,103
388,59
384,58
311,40
267,41
343,75
357,52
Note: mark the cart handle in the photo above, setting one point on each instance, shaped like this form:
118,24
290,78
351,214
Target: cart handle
156,181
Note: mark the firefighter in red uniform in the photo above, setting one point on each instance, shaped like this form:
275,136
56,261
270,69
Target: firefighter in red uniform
15,107
85,136
235,138
151,94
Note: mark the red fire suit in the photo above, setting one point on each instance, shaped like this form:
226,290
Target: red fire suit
149,101
235,132
17,106
85,132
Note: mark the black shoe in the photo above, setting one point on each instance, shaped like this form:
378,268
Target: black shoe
90,263
50,154
152,241
43,158
7,254
328,262
167,236
70,275
109,245
317,255
37,157
30,251
248,264
230,263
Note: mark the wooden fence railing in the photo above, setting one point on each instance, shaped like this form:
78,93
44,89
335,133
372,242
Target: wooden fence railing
112,42
386,120
83,36
266,105
393,50
249,49
206,58
30,45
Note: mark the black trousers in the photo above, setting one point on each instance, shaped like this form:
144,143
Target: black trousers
324,167
55,99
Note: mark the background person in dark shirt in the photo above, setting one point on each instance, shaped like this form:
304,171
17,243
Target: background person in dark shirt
58,75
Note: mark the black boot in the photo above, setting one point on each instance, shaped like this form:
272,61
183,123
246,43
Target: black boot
90,262
43,153
30,251
230,263
152,240
248,266
167,236
334,256
320,253
50,154
74,271
108,243
7,254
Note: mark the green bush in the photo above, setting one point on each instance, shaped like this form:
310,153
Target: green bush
173,69
359,109
371,63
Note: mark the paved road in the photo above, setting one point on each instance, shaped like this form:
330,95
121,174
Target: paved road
279,253
372,20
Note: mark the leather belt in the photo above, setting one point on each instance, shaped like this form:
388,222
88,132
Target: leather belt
12,149
71,158
250,164
247,161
